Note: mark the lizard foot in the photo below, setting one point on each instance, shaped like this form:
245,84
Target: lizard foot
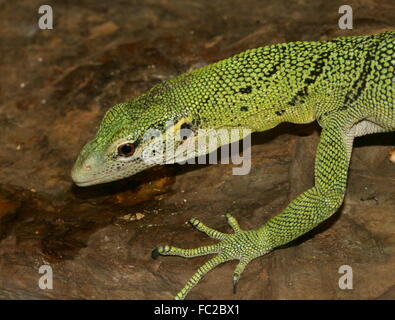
240,245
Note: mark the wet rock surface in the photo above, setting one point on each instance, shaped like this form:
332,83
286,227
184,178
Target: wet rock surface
57,84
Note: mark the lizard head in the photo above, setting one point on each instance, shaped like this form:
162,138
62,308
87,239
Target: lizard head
114,152
139,134
120,146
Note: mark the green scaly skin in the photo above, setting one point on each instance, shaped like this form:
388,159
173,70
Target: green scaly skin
346,84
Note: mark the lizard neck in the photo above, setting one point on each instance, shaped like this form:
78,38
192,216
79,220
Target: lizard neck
258,89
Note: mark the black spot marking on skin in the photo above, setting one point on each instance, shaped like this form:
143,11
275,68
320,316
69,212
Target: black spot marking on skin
186,125
244,109
359,85
247,89
313,76
302,93
297,98
269,73
280,112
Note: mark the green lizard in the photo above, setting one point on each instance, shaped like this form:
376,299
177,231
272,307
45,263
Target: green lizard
346,84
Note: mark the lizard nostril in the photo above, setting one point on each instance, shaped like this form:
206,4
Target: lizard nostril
88,167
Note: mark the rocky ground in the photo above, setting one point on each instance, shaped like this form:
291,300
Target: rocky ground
57,84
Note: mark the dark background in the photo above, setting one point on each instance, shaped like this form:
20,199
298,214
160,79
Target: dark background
56,85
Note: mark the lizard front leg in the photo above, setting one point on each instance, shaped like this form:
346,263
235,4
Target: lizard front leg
301,215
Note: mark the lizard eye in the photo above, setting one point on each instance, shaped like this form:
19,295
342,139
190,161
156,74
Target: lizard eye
126,150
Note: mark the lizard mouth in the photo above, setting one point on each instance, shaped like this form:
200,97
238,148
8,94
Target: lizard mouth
85,183
83,179
94,181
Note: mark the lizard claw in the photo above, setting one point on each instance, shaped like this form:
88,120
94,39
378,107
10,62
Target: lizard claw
241,245
155,254
235,286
